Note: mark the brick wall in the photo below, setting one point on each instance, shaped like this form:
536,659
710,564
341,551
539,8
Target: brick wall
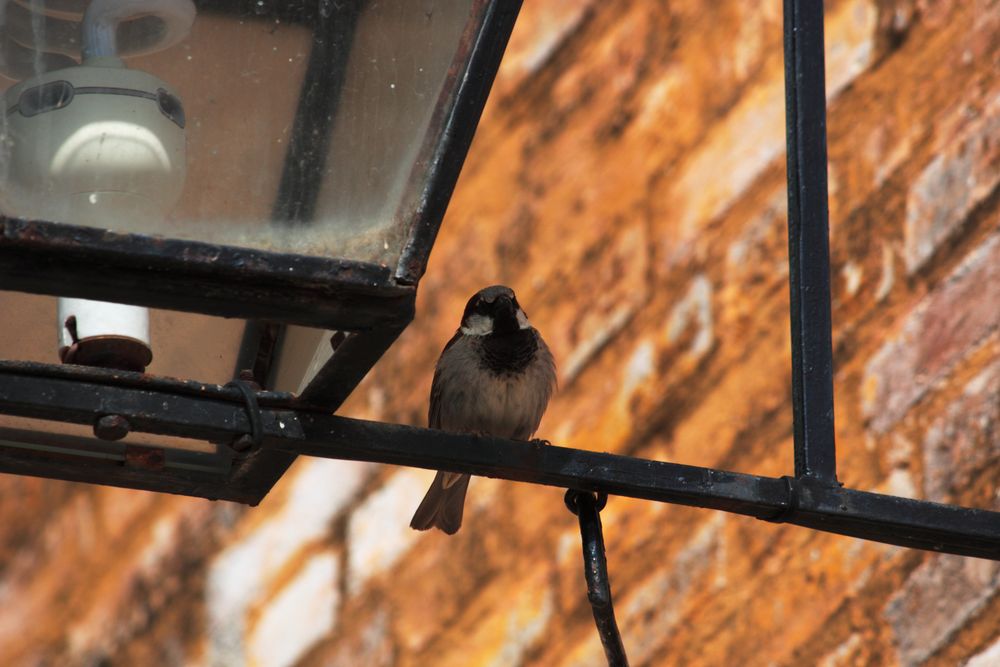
628,182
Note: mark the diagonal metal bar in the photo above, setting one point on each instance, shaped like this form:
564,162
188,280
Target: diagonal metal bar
444,154
218,414
808,241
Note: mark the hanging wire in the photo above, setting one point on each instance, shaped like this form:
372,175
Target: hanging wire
587,508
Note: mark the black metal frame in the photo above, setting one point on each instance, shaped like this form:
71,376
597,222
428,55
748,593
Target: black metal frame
370,303
381,303
214,413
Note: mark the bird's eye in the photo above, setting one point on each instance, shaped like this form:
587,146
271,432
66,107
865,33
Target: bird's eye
482,308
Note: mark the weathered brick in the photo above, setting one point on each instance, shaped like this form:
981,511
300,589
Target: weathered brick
966,438
372,647
937,599
379,530
509,631
650,612
752,136
844,655
240,575
694,310
301,614
988,658
954,182
944,328
546,28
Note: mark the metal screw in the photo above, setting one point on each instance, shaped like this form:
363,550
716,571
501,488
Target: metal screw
145,458
112,427
247,376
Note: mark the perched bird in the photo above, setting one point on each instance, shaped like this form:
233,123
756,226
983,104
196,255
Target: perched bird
494,377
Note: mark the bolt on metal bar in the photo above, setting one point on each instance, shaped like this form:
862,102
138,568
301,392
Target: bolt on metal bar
808,241
595,569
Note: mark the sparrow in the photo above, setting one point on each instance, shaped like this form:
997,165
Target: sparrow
494,377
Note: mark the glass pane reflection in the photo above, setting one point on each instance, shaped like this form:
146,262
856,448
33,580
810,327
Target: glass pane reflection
337,174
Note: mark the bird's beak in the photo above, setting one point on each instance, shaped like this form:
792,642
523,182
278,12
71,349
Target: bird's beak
505,307
505,316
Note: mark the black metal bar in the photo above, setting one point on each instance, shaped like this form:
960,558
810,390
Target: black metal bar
349,364
224,281
445,154
808,241
260,351
807,502
34,463
330,436
93,376
218,414
305,162
595,570
73,445
351,361
305,159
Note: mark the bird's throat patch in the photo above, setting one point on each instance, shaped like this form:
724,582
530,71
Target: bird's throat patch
509,352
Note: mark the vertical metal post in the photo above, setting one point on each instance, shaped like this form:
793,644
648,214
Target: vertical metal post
808,241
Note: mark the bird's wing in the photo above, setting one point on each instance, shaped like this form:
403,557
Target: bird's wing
434,410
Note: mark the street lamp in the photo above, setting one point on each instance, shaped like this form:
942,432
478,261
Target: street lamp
286,164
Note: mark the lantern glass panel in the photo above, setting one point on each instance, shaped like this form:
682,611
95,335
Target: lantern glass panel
302,128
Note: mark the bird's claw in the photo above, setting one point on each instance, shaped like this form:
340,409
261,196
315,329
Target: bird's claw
539,442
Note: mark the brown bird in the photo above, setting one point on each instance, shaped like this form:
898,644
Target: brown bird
494,377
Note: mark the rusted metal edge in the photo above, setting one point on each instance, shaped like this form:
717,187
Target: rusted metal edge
443,154
118,378
163,255
65,260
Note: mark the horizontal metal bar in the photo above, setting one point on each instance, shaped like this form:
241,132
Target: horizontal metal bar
804,502
217,463
112,377
331,436
224,281
111,472
219,414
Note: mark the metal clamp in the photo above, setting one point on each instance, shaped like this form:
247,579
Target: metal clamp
789,510
248,442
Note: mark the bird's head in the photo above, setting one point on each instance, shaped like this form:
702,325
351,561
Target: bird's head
493,310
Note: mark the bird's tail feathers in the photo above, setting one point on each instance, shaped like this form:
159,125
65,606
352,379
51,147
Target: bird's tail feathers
444,503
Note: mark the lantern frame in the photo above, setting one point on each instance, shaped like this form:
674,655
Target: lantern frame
368,302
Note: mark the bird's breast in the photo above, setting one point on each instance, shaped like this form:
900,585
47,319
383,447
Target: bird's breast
476,399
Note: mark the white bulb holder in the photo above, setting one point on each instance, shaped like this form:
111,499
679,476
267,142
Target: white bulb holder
100,145
97,144
108,335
